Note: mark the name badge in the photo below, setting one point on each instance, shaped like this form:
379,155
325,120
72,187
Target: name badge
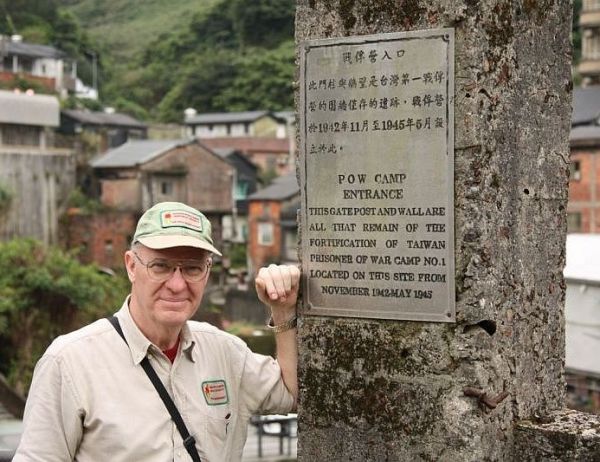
215,392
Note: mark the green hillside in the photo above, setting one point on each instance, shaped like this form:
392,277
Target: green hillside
126,27
158,57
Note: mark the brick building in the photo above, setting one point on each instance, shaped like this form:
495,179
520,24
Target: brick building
135,176
583,210
268,154
272,223
101,238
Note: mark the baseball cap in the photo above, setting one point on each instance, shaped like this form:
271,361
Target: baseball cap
173,224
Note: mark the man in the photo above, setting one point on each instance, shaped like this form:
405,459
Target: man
90,399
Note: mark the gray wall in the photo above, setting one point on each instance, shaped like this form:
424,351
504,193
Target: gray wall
40,182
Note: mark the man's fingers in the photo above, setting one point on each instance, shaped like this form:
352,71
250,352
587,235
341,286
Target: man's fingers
278,281
277,275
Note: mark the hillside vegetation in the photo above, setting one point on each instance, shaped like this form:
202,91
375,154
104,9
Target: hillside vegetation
156,58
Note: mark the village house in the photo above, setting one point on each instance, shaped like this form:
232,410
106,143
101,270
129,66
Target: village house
272,155
110,129
589,22
35,177
41,64
235,227
138,174
236,124
273,233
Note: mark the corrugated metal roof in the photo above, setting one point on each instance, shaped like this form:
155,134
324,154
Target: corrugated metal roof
586,105
135,152
22,109
282,188
103,118
583,133
32,49
227,117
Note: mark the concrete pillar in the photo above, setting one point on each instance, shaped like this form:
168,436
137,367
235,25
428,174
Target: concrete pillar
397,390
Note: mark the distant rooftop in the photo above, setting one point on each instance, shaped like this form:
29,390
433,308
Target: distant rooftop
135,153
282,188
103,118
248,145
586,106
227,117
584,134
23,109
7,46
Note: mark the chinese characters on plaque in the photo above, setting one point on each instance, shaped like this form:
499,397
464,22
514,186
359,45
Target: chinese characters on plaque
377,145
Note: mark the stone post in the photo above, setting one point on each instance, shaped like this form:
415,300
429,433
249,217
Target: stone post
388,390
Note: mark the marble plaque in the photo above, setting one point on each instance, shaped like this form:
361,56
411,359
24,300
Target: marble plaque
377,156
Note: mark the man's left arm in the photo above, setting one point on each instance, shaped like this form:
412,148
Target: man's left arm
277,287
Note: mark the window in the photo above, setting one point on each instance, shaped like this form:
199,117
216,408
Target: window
108,248
265,233
575,170
166,188
574,222
241,190
21,135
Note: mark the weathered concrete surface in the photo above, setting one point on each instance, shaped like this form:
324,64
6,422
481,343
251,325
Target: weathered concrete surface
388,390
39,182
561,436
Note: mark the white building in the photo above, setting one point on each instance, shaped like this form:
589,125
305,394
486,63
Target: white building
582,317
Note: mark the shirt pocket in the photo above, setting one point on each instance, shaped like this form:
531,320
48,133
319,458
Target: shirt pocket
214,431
219,428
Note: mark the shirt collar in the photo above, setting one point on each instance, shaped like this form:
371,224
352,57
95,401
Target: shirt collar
137,341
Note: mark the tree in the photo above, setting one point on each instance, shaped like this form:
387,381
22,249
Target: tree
263,80
200,84
45,293
263,23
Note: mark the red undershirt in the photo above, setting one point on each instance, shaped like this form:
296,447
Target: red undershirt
172,352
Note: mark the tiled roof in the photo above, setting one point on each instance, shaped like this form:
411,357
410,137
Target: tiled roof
135,152
22,109
586,105
584,134
32,49
103,118
282,188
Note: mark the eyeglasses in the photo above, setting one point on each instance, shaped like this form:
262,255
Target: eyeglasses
159,270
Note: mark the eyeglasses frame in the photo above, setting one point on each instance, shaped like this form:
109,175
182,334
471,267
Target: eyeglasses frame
178,265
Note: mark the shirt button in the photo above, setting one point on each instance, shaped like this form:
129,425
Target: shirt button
179,454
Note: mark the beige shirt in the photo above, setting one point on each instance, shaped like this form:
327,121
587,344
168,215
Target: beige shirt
90,399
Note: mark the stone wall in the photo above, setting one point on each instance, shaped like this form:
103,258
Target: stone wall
395,391
560,436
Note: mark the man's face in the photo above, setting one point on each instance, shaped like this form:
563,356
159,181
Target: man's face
167,304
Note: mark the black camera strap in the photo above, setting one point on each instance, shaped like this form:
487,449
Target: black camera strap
188,440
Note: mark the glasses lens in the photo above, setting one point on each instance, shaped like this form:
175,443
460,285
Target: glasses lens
193,272
159,270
